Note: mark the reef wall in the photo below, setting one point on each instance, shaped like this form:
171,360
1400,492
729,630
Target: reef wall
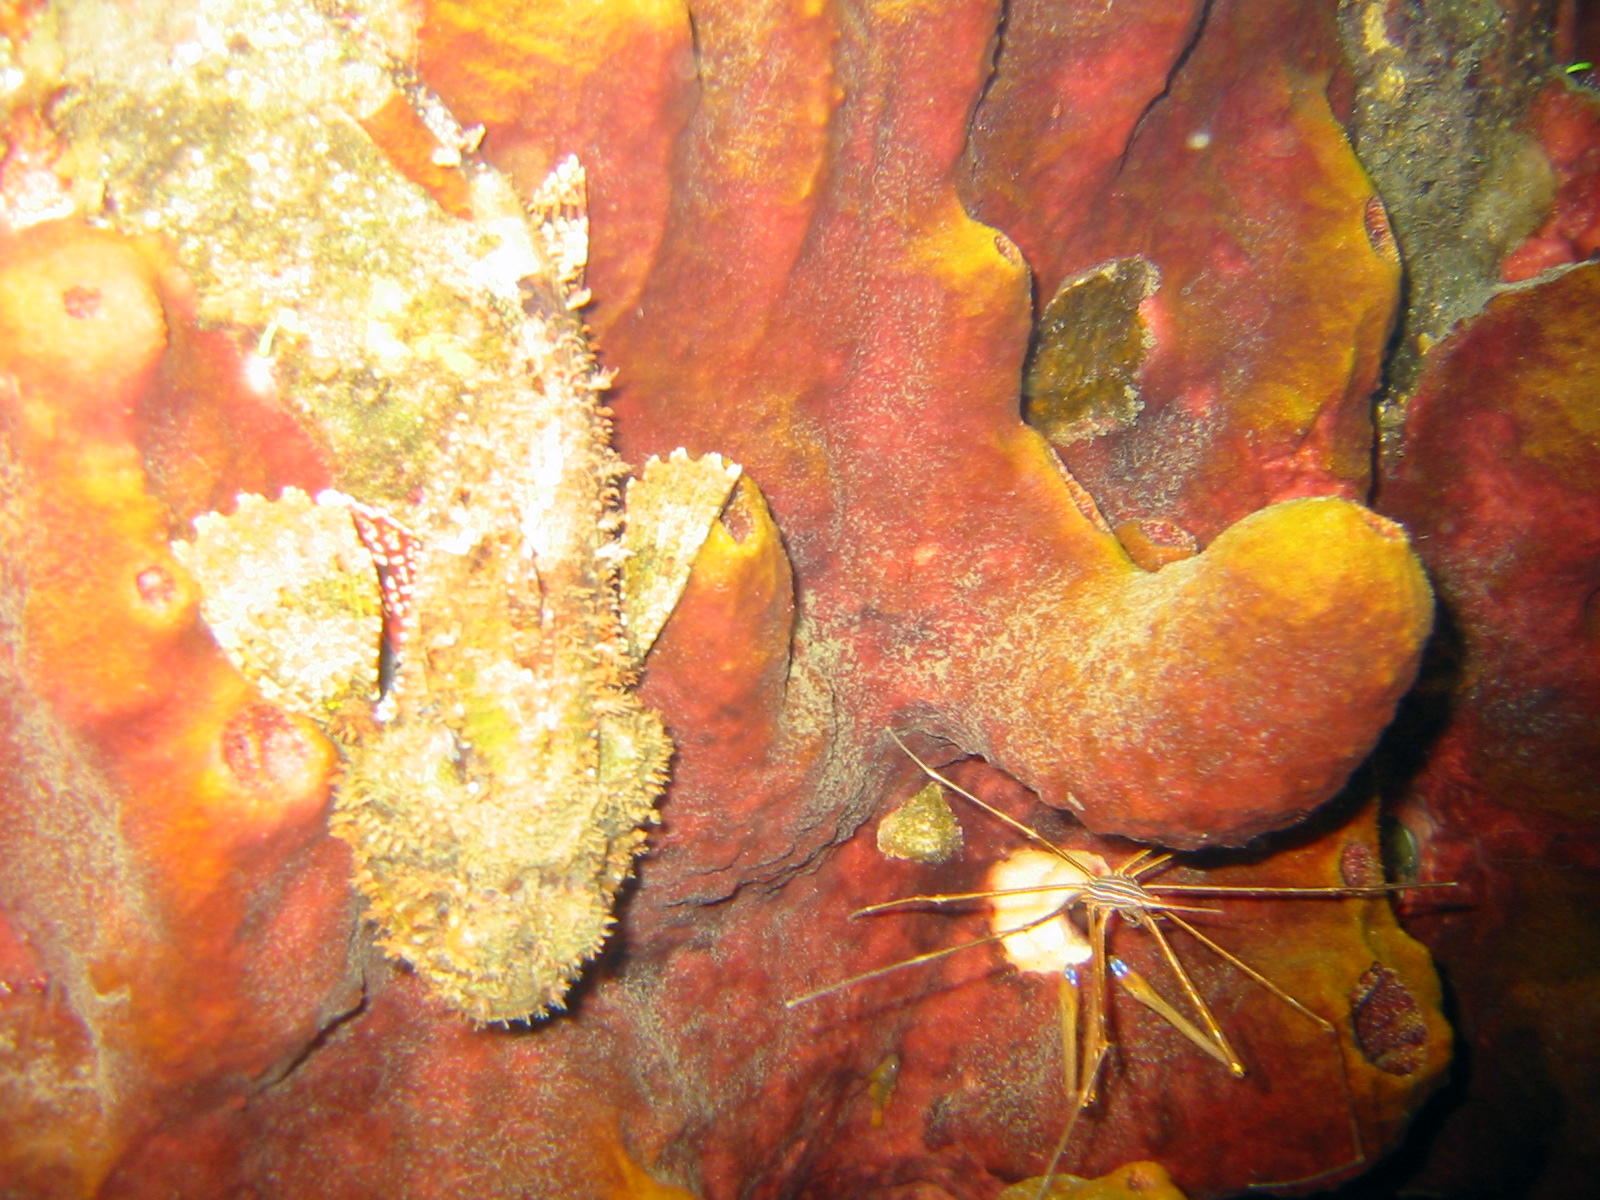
1113,387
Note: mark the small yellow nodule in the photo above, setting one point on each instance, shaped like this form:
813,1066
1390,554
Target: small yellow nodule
1052,945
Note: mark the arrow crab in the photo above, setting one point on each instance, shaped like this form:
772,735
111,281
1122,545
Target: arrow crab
1054,910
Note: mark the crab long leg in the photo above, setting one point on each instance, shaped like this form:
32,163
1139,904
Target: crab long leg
1349,893
1071,1014
1140,988
1026,831
1201,1008
952,897
1229,957
1076,1026
1327,1028
915,960
1136,866
1099,1017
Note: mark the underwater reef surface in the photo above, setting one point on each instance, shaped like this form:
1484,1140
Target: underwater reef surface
1114,389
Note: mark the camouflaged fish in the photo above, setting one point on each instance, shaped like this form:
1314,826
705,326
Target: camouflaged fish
499,771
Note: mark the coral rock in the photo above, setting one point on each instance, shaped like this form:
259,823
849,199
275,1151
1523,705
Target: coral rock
166,869
1496,470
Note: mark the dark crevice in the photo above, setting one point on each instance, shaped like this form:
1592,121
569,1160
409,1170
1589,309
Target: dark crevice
280,1075
1202,19
694,37
997,57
